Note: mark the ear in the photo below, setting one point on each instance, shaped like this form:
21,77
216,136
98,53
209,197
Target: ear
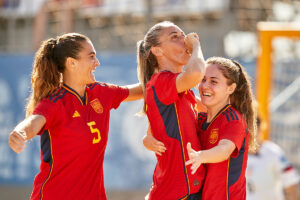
70,63
156,51
231,88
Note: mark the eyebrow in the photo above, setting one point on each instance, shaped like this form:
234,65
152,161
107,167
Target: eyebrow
176,32
212,77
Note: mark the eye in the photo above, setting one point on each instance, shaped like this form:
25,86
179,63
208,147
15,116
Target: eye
214,82
203,80
174,36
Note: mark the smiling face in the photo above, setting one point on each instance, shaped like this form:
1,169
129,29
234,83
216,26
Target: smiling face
172,46
86,63
214,89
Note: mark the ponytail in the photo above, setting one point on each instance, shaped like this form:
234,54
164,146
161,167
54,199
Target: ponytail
46,76
49,65
242,98
147,62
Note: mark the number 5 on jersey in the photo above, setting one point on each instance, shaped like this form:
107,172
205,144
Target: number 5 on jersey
94,130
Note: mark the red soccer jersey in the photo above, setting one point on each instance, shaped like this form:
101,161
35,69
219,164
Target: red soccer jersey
173,121
73,142
225,180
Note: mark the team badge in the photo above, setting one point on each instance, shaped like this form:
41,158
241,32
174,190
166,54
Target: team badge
96,105
214,135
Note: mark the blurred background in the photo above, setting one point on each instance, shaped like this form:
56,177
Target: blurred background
225,27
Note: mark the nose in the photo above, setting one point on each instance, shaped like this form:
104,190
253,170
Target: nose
97,62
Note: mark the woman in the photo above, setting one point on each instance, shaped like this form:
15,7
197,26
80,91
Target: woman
70,111
225,131
170,105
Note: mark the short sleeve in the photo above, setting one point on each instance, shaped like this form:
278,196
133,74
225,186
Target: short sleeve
117,95
48,110
165,87
235,132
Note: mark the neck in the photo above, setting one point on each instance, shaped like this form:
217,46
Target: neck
172,67
75,85
213,111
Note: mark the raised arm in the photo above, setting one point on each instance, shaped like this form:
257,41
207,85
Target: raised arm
194,71
24,131
216,154
135,92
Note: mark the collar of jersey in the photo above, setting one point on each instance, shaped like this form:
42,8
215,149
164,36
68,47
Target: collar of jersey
83,100
220,112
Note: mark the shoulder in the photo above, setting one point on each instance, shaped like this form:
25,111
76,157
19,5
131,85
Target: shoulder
97,85
103,86
56,96
232,115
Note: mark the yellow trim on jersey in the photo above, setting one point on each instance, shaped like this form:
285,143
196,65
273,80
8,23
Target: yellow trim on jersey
51,166
227,187
210,123
187,176
78,97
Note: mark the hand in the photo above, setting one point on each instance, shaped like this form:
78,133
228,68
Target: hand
153,144
190,41
17,140
194,158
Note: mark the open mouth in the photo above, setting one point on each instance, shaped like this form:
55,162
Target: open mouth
206,94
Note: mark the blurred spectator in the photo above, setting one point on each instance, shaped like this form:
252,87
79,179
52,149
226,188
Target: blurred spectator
9,3
269,174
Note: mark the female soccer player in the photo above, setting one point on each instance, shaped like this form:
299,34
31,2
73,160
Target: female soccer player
226,130
70,111
170,105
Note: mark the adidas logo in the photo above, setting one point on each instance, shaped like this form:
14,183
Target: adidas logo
76,114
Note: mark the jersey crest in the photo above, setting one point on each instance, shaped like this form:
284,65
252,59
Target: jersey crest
97,106
213,136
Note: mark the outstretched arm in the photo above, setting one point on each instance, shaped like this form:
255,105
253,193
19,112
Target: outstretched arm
135,92
24,131
216,154
194,71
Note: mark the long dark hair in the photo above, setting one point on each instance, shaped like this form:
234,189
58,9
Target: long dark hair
49,64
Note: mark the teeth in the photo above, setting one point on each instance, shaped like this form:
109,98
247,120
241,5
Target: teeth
206,94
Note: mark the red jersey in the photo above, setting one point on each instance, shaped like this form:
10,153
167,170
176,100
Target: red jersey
225,180
73,142
173,121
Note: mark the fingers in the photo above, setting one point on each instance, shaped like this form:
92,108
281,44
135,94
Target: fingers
159,148
194,163
191,161
189,147
194,167
16,142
